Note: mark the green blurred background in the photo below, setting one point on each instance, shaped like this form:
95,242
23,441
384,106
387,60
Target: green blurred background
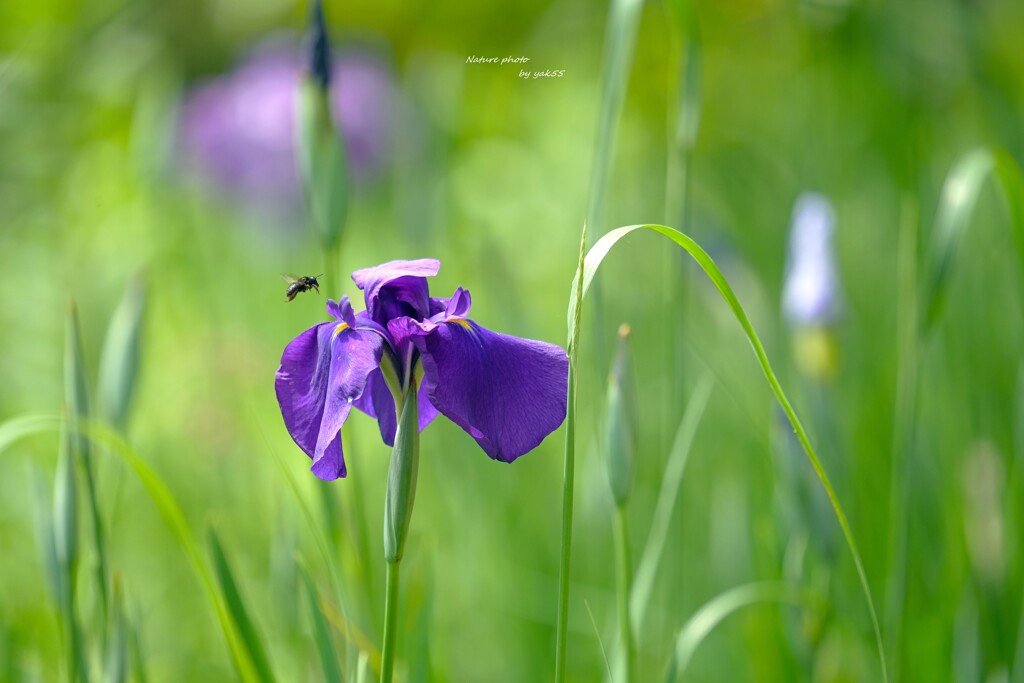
868,103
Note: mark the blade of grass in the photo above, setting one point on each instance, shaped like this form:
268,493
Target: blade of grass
716,610
620,39
594,259
671,483
903,437
115,665
239,614
321,633
101,434
600,643
76,398
958,201
960,195
569,471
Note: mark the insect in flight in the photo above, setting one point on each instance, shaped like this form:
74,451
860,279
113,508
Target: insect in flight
297,285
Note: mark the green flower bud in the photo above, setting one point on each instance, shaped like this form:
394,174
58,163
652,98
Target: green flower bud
119,363
320,150
620,421
401,491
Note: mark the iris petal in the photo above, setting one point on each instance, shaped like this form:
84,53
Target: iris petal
323,371
507,393
397,288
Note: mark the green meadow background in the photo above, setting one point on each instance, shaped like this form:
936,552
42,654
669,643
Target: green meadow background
869,103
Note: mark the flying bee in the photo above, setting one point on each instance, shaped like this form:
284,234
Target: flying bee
297,285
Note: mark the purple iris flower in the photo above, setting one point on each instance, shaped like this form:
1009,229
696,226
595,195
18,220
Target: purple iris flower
507,393
238,130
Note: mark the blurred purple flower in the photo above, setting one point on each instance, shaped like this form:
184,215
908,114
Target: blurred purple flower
507,393
810,295
238,130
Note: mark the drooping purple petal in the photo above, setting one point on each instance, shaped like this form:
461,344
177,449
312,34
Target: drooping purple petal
378,403
397,288
507,393
323,371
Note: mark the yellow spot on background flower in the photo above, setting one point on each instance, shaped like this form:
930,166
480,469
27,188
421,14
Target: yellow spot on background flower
339,329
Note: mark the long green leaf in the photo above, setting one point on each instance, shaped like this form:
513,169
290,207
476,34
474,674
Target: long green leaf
321,633
594,259
569,471
704,621
76,398
671,483
239,614
27,425
960,195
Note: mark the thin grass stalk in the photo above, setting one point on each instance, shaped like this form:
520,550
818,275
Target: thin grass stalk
903,436
569,469
671,483
76,396
624,586
620,39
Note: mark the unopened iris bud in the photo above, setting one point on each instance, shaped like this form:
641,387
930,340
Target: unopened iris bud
810,295
319,48
119,363
320,151
620,421
401,491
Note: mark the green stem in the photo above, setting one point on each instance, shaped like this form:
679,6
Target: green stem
911,346
97,535
387,662
567,494
624,585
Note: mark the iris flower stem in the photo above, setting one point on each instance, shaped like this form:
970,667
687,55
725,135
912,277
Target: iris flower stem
398,503
387,662
624,585
568,479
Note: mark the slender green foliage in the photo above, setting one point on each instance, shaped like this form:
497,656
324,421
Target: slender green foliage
239,614
960,194
594,259
76,397
704,621
119,361
569,470
671,483
321,633
27,425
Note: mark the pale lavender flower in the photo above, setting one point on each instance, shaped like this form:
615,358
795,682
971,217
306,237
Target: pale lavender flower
810,294
238,130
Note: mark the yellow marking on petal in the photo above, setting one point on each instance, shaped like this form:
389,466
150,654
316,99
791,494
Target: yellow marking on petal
339,329
461,321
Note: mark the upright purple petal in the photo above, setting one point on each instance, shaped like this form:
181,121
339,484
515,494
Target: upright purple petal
397,289
378,403
323,371
507,393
